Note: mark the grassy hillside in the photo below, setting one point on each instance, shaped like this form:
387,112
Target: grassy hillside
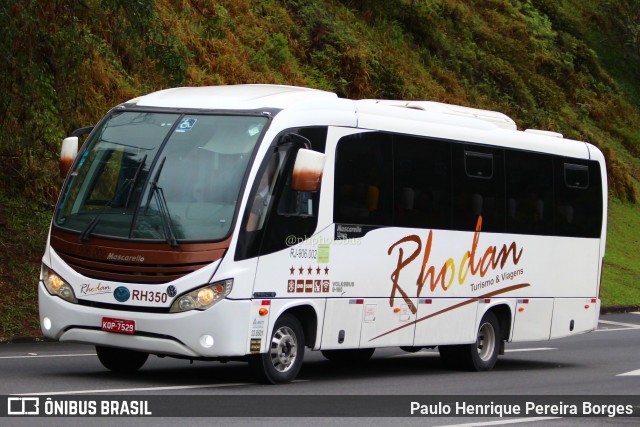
571,66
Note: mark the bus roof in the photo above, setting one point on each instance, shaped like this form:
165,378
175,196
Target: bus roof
236,97
418,117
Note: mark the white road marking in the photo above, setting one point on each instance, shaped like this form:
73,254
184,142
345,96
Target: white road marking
628,325
417,353
40,356
615,329
501,422
122,390
515,350
635,312
434,352
635,373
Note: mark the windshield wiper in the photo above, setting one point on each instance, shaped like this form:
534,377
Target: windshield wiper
135,179
84,236
153,182
163,209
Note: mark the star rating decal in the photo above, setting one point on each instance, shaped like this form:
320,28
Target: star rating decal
309,271
308,279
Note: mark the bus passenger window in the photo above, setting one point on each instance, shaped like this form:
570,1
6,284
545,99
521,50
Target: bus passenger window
478,188
363,184
422,181
529,192
578,198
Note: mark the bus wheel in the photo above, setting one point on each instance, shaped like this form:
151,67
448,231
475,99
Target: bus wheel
283,359
487,343
120,359
480,356
411,349
356,355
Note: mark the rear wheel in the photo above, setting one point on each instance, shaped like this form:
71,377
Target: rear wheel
283,359
479,356
411,349
356,355
121,359
487,343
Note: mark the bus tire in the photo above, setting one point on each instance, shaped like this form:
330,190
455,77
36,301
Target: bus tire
479,356
283,359
411,349
121,360
356,355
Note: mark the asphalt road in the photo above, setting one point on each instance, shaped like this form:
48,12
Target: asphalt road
605,362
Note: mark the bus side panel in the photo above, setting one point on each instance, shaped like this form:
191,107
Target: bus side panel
532,320
573,316
445,321
386,325
342,324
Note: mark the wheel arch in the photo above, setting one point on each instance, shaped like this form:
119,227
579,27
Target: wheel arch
505,318
308,318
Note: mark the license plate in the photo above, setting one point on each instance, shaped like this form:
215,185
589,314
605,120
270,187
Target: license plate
121,326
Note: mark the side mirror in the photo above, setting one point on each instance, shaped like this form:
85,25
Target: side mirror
307,171
68,154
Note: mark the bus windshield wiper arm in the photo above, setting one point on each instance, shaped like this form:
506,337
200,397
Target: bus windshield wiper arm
163,210
154,183
84,236
156,192
135,179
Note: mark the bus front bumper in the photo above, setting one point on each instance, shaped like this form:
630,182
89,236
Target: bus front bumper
221,331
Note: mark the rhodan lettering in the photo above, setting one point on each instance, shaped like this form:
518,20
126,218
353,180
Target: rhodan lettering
87,289
470,262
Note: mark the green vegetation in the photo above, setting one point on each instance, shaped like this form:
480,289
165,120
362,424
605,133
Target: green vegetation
571,66
22,235
621,273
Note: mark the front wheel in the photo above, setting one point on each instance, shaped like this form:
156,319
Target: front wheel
121,359
283,359
479,356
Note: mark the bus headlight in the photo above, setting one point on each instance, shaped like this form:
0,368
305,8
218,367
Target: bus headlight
57,286
202,298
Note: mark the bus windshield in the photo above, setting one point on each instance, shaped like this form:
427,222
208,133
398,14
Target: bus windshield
160,176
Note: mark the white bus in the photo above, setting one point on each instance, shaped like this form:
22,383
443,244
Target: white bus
251,222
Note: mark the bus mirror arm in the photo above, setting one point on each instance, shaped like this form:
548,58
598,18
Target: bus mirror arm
293,139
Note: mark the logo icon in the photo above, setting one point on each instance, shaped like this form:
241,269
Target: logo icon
23,406
186,125
172,291
121,294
